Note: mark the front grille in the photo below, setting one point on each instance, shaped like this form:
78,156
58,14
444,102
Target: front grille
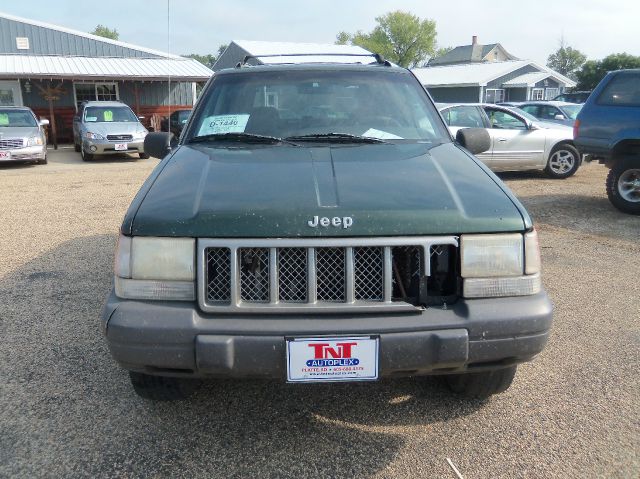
11,143
119,137
309,275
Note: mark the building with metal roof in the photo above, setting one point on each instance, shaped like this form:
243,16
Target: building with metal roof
493,52
261,53
52,69
492,82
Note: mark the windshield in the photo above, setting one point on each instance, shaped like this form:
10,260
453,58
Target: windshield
279,104
571,110
108,114
16,118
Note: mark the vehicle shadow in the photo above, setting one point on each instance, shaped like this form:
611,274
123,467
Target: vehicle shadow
63,393
585,214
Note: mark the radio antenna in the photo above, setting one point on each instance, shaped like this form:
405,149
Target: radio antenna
169,70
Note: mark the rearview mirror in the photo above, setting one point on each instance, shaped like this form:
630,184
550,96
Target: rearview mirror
158,144
476,140
559,117
43,122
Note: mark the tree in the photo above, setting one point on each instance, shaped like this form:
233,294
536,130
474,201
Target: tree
399,36
208,60
106,32
594,70
566,60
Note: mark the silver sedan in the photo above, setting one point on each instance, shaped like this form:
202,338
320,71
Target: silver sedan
22,136
518,140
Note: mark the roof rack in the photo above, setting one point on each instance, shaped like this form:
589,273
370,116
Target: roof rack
378,58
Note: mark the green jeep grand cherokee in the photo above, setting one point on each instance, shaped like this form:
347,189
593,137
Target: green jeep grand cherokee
317,222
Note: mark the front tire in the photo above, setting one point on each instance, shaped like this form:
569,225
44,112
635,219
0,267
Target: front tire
143,156
563,162
42,162
76,147
85,156
162,388
623,185
482,384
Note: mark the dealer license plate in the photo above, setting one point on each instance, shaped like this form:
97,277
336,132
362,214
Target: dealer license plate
121,146
332,359
5,155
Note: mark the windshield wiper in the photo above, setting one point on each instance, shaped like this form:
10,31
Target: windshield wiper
336,137
239,137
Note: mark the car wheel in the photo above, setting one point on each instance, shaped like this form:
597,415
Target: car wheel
563,162
481,384
42,162
623,185
76,147
162,388
143,156
85,156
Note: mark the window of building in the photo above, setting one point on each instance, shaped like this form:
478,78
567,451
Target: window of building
551,93
96,91
494,95
537,94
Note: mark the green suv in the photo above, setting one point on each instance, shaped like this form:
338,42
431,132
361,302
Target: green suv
317,222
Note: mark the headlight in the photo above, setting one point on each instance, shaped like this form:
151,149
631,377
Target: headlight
155,268
34,141
93,136
140,134
485,256
500,265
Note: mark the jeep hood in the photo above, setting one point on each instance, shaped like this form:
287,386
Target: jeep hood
273,191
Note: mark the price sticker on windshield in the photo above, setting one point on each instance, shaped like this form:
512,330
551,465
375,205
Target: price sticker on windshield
215,124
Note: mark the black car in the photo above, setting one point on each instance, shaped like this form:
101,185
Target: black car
176,121
573,97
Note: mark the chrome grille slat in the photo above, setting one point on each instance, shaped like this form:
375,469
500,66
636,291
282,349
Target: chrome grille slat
292,278
11,143
218,274
369,273
315,275
330,272
119,137
254,274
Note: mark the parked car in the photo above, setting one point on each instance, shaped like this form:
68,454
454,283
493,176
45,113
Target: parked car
554,111
303,230
175,122
107,128
573,97
22,136
608,129
518,140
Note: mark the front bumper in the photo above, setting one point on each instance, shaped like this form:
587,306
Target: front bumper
29,153
176,338
107,147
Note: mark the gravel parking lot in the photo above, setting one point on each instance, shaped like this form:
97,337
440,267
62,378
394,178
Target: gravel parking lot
67,410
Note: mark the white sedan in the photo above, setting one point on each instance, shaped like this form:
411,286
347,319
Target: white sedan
518,140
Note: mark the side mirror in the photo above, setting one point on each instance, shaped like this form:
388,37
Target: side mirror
476,140
158,144
559,117
532,126
43,122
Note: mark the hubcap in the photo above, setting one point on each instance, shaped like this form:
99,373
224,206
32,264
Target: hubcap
629,185
561,161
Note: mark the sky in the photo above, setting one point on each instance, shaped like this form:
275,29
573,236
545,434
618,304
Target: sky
529,30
